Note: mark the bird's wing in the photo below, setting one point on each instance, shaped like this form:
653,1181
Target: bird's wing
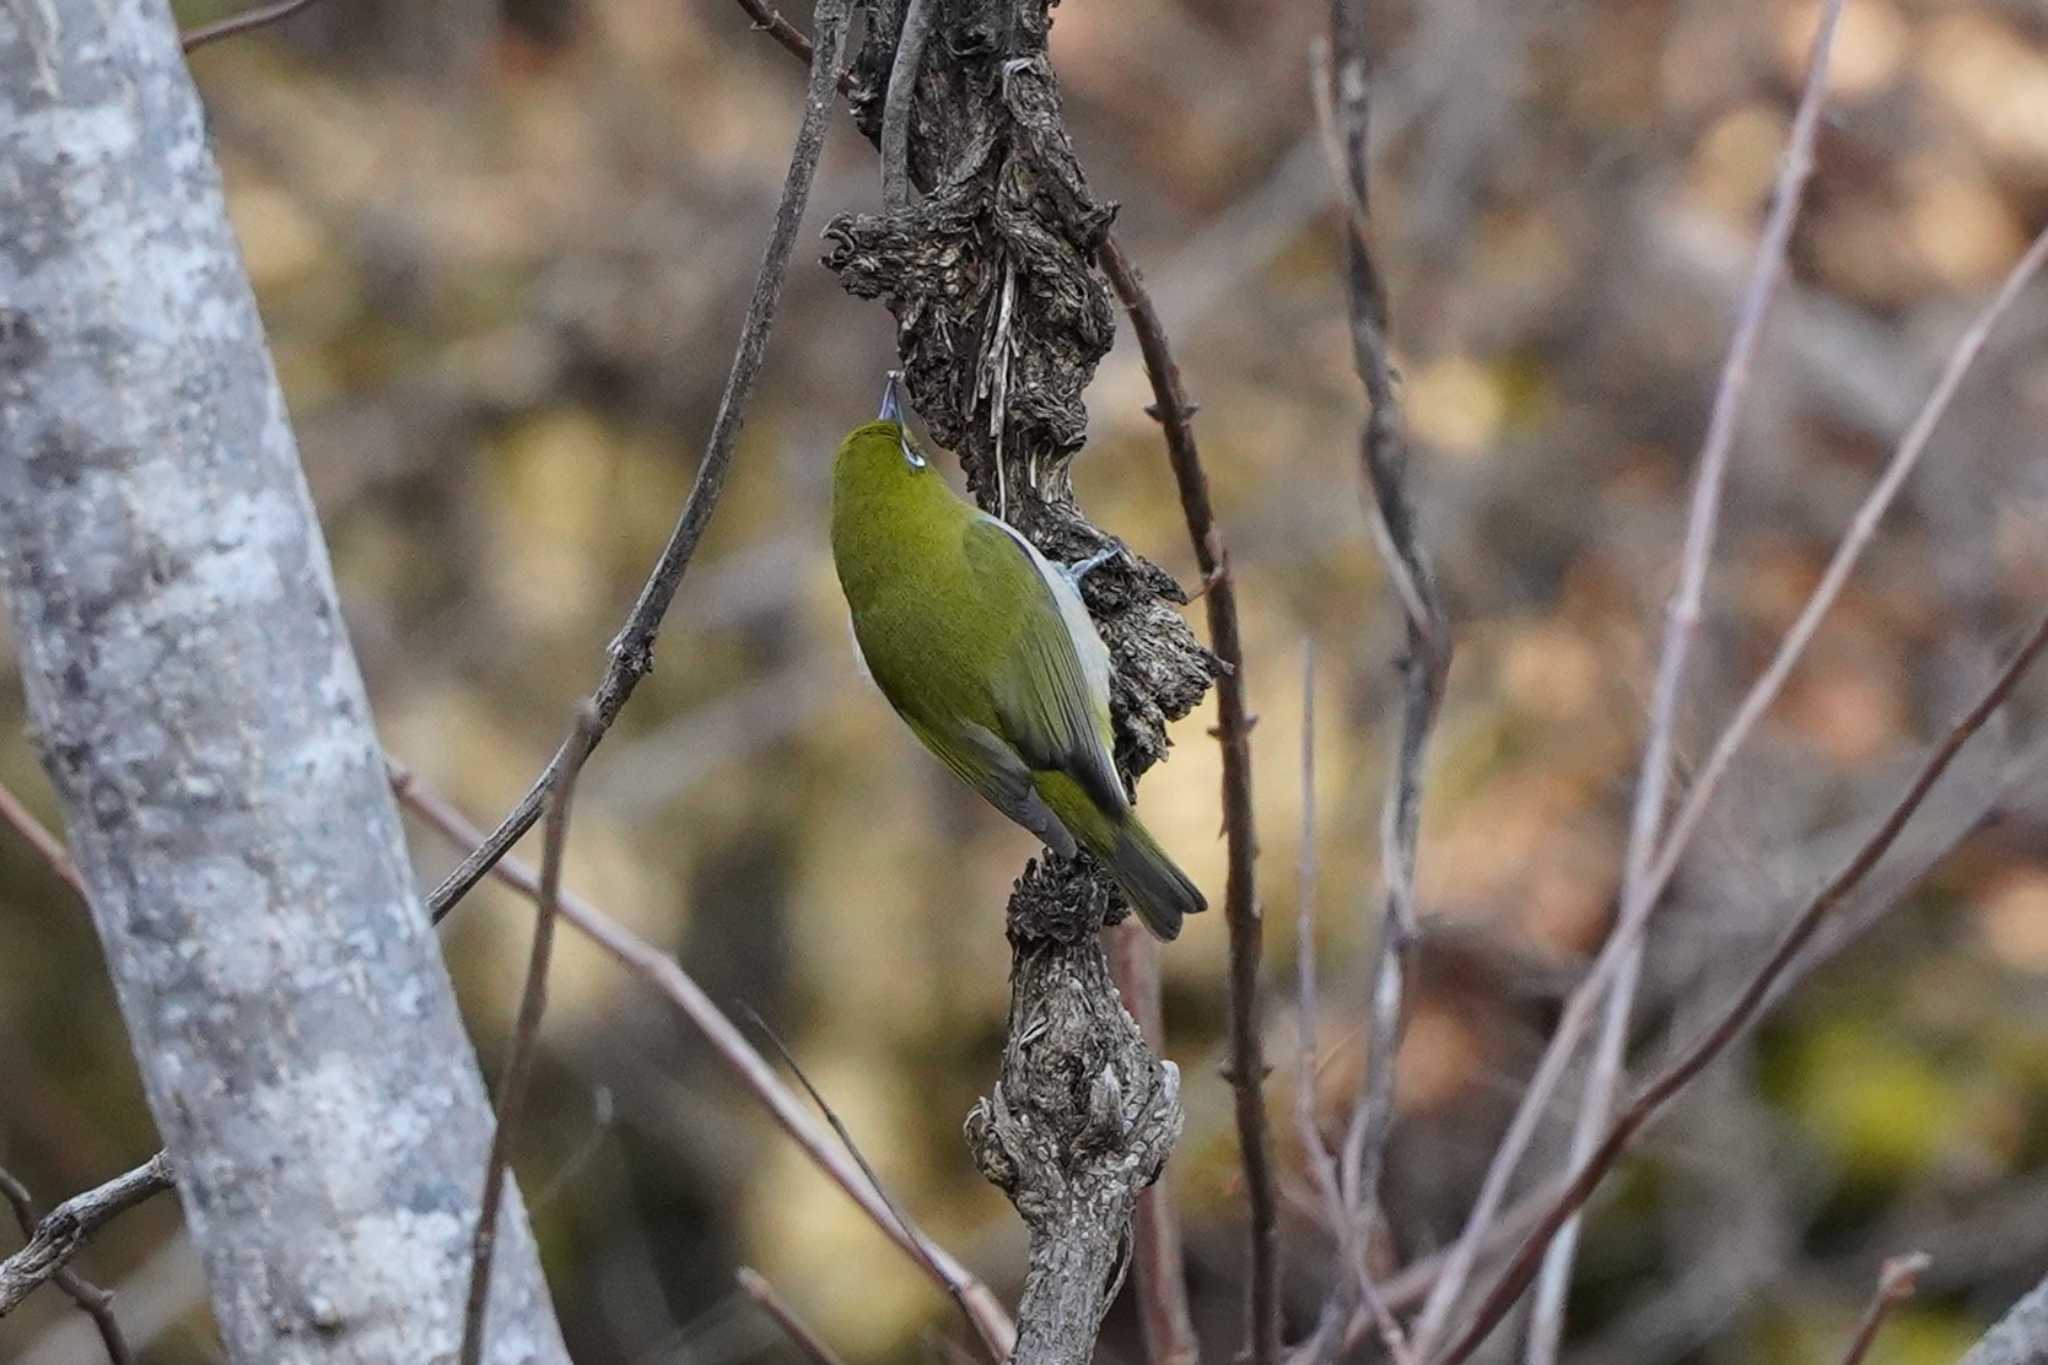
991,767
1052,697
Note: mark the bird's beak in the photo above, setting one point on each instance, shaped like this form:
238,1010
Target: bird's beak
892,408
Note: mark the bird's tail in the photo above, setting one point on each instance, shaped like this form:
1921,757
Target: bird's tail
1160,892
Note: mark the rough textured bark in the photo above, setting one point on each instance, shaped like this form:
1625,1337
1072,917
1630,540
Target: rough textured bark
196,703
1001,319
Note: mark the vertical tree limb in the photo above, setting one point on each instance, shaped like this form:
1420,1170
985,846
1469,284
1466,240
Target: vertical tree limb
1343,91
200,713
1242,913
1000,323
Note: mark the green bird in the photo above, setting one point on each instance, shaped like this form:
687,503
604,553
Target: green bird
986,652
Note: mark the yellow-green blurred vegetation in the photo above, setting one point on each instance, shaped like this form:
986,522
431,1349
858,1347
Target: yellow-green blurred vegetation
503,249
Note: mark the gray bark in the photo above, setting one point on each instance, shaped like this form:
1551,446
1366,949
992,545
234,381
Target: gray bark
2020,1337
199,710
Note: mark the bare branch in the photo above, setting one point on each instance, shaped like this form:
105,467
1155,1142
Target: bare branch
47,846
1635,913
250,19
95,1302
1157,1264
533,1001
1681,624
1342,87
896,111
1896,1280
632,651
1650,1101
666,976
1175,415
60,1233
903,1223
756,1287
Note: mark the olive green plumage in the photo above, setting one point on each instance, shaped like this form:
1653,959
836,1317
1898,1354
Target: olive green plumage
984,649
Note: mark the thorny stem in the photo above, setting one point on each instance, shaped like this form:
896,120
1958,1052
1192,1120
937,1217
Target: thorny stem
1242,914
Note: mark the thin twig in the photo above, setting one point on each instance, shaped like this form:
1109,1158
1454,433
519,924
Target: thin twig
1343,98
1577,1013
1897,1278
902,96
95,1302
756,1287
533,1002
661,971
1324,1342
1158,1266
1175,415
193,39
1650,1101
47,846
1681,625
63,1230
631,655
853,1150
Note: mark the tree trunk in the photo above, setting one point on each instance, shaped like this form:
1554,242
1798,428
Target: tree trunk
193,693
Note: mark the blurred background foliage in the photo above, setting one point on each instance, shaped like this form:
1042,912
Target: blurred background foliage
503,246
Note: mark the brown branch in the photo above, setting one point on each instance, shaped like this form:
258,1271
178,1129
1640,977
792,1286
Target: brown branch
1158,1265
60,1233
95,1302
1343,97
533,1001
903,1223
1650,1101
660,971
193,39
47,846
631,655
1897,1278
812,1346
1681,624
1635,914
895,141
1247,1068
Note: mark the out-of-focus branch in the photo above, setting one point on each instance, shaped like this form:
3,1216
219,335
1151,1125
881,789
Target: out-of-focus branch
533,999
632,651
1158,1266
1242,915
1650,1101
1896,1280
47,846
95,1302
755,1286
58,1234
1578,1009
1342,87
1681,624
985,1314
191,40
